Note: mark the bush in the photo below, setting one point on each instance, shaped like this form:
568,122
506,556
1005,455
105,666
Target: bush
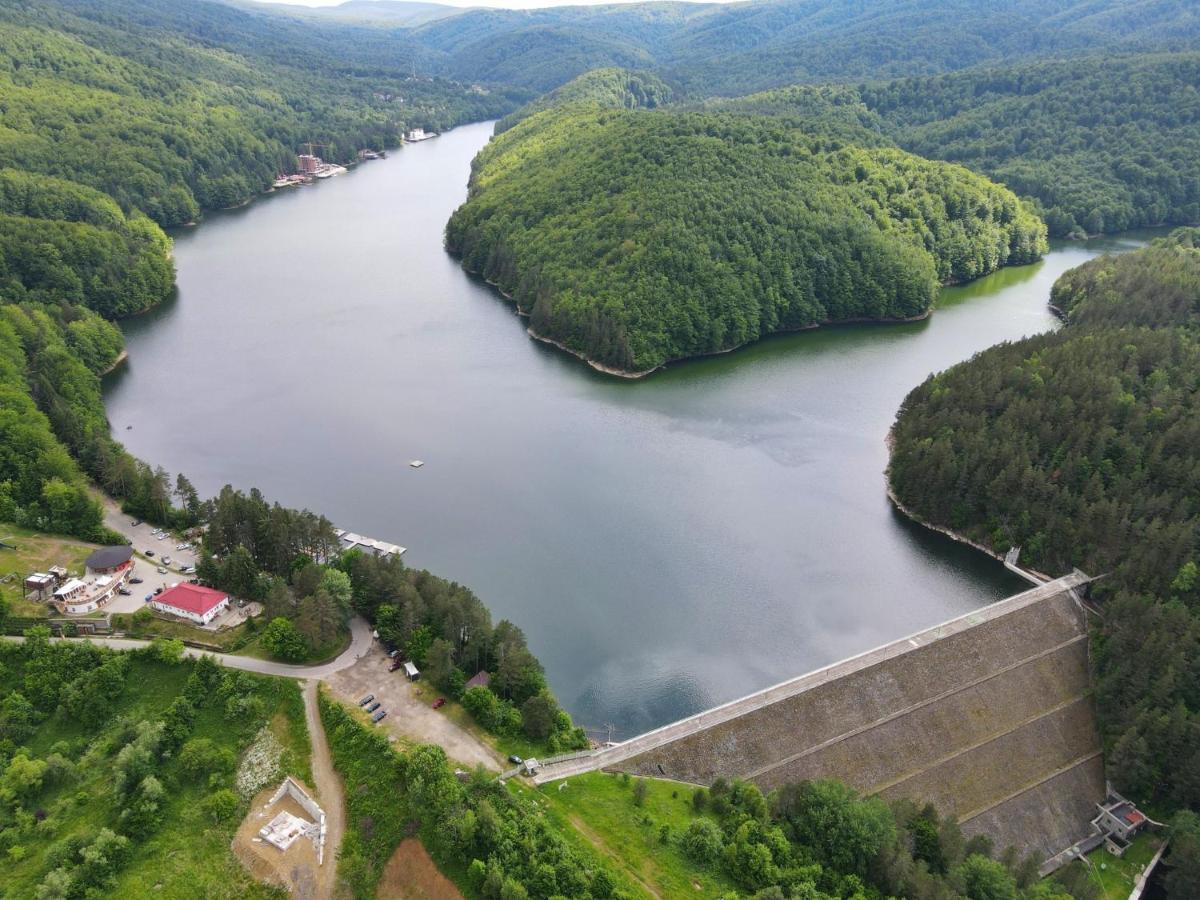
703,841
284,641
220,805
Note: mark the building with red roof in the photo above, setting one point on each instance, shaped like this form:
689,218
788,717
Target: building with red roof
192,602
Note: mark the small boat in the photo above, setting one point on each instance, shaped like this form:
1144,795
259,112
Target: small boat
417,463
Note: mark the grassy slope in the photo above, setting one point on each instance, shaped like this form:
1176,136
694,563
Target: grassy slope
600,808
35,551
188,856
1118,875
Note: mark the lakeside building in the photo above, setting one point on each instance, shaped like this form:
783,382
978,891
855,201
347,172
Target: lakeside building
352,541
192,602
109,561
308,164
104,573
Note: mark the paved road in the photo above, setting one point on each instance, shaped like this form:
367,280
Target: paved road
360,645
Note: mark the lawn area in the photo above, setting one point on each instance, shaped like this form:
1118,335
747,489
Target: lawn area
187,854
35,552
601,810
1115,876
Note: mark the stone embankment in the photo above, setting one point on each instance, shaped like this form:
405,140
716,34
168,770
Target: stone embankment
987,716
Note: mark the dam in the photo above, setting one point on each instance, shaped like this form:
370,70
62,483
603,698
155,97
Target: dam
987,716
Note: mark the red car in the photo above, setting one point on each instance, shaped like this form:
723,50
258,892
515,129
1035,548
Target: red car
439,702
396,664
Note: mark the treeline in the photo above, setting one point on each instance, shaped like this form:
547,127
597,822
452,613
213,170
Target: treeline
1158,286
89,776
610,88
735,49
507,847
637,237
1083,448
128,96
1101,143
448,633
1104,144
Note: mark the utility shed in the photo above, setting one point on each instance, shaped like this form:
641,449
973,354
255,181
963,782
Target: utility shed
411,671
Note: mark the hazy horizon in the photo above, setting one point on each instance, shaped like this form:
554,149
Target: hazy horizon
498,4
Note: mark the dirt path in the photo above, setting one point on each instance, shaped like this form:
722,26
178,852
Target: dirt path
329,792
598,842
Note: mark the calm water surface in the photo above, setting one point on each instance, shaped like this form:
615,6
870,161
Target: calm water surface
666,544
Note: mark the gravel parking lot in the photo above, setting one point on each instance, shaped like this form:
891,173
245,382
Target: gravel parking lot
408,716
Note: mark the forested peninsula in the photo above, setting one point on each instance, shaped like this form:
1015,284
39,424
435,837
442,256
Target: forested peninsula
1082,447
636,237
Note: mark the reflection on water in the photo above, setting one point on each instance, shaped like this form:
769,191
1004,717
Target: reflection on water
666,544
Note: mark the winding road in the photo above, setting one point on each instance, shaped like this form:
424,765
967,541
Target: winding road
360,646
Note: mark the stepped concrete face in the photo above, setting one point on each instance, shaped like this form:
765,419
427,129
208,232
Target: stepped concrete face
987,716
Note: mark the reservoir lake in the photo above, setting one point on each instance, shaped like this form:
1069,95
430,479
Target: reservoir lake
666,544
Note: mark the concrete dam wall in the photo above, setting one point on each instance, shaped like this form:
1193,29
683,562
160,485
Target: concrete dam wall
987,716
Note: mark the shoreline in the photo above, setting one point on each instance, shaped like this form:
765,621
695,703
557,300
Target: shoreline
636,374
959,538
121,357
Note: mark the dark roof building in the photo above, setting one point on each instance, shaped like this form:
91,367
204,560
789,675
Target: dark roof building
480,679
108,559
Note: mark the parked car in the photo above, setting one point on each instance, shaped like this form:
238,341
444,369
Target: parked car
136,522
374,706
149,597
189,570
158,590
379,716
124,592
396,664
365,700
166,560
135,580
162,571
394,654
439,702
181,546
515,760
149,552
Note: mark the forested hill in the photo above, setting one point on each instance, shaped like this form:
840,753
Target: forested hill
738,48
119,116
1103,144
1083,448
609,88
634,237
170,107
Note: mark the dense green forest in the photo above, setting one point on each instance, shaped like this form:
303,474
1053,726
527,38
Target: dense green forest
636,237
732,49
1102,144
1081,447
611,88
171,108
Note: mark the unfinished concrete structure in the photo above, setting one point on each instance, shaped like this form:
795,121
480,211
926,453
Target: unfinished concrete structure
283,830
986,716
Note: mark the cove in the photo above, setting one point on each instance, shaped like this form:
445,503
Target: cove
667,544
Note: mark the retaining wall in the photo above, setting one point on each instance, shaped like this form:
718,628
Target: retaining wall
989,718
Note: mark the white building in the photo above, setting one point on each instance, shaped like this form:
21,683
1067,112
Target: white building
192,602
